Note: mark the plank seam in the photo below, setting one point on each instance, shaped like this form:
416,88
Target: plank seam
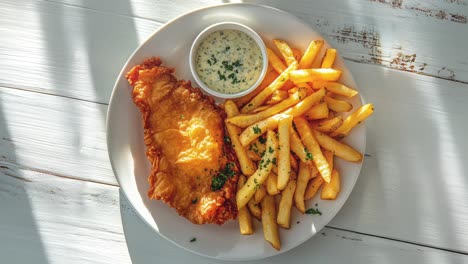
36,90
401,241
104,12
42,171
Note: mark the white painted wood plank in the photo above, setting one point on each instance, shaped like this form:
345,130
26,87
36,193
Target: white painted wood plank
75,51
51,220
411,35
412,188
57,135
69,51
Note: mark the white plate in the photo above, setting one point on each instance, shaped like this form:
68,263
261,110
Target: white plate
127,151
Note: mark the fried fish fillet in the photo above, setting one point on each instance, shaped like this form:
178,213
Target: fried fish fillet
193,169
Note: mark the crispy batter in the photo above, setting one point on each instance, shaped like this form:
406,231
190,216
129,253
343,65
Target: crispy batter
184,137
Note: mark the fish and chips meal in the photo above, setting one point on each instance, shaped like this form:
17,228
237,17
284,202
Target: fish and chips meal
253,157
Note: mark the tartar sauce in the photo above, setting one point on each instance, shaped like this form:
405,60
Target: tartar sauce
229,61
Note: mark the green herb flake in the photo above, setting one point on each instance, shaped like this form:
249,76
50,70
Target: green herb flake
270,149
313,211
219,180
194,201
193,239
227,140
262,139
257,130
308,154
274,161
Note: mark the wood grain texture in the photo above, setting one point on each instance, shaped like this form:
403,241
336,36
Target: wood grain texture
409,35
56,135
59,57
49,220
412,187
60,49
67,51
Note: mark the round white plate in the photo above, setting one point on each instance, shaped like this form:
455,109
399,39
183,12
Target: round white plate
127,151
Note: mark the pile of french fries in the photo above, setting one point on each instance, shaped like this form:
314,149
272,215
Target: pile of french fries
287,134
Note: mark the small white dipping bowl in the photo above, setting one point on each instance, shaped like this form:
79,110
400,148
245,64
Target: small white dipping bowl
223,26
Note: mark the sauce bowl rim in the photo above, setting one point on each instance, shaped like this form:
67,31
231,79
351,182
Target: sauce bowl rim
221,26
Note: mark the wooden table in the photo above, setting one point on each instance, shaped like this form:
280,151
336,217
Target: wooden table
59,199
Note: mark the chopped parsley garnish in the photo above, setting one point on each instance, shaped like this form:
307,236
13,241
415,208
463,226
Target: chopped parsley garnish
257,130
214,60
227,140
230,69
227,48
194,201
219,180
221,76
237,63
308,154
257,186
274,161
270,149
193,239
181,116
313,211
262,139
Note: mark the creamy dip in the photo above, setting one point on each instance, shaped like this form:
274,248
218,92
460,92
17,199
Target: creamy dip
229,61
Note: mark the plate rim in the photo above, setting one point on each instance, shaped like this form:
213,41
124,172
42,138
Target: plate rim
108,114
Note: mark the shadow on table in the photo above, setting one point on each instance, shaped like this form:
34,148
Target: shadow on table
20,240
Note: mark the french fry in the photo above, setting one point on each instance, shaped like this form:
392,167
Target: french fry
243,215
310,54
259,194
328,125
247,120
260,109
258,147
329,157
261,97
310,75
338,105
329,58
336,147
275,61
303,178
313,186
270,227
298,148
330,190
285,205
334,87
256,130
297,54
246,164
277,96
271,184
293,161
260,175
285,51
284,162
312,145
318,111
353,120
253,156
270,76
255,209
